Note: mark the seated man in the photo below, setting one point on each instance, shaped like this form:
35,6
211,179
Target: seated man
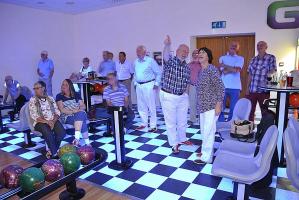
19,94
116,94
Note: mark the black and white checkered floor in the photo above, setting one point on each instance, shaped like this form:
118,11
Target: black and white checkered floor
156,173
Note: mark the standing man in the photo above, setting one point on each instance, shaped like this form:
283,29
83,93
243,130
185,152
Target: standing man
147,78
231,65
125,71
195,68
259,68
174,94
45,71
107,65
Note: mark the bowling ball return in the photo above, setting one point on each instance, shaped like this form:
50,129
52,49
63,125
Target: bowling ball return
71,192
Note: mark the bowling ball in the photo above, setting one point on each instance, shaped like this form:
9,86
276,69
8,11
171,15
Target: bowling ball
53,170
67,148
97,87
91,88
86,154
10,176
32,179
294,100
70,162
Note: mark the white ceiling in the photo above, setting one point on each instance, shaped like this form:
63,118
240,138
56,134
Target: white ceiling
70,6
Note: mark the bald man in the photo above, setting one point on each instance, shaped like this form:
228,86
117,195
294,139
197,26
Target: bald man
45,71
260,67
231,65
147,78
174,94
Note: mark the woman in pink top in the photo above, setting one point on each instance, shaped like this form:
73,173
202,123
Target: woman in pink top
195,68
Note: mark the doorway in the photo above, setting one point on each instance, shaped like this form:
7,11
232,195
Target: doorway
219,46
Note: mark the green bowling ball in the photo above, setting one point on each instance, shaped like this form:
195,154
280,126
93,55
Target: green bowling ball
70,162
32,179
67,148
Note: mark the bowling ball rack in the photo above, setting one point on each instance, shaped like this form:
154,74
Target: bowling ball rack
71,192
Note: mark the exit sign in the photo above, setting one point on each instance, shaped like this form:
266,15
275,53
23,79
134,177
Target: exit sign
219,24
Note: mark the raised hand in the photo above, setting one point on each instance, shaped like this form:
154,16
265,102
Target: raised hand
167,40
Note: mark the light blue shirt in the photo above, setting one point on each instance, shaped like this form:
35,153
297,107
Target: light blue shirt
146,70
232,80
45,67
106,67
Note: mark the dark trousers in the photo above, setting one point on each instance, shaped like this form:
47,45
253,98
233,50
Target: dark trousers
103,113
254,98
53,137
19,103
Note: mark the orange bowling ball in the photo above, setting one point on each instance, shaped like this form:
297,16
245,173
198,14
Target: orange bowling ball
294,100
99,88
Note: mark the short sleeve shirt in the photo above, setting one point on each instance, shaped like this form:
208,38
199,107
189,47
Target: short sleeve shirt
117,96
259,69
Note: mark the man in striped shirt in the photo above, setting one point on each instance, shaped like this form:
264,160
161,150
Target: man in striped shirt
116,94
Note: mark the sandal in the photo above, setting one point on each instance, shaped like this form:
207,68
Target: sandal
199,154
187,142
48,154
75,142
175,149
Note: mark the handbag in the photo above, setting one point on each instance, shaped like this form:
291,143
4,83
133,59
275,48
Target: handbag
242,129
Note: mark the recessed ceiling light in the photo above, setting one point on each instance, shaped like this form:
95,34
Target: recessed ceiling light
70,3
40,2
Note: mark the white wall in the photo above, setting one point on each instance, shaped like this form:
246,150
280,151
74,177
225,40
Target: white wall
25,32
69,38
124,27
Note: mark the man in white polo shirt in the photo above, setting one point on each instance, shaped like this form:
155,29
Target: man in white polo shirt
125,70
147,78
231,65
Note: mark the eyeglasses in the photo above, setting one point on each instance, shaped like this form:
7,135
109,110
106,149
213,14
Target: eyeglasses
36,88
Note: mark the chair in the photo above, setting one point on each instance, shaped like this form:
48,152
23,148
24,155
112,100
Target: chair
22,126
293,123
242,148
244,170
290,140
241,112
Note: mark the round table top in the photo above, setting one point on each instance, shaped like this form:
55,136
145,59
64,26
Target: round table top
277,88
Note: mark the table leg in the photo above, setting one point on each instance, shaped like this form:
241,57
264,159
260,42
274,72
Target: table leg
1,122
281,121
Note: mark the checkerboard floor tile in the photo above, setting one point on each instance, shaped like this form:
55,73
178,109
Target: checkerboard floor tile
156,173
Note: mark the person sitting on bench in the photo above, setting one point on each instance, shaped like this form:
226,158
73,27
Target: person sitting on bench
72,110
116,94
45,113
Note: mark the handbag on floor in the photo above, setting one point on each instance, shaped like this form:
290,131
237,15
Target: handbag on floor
242,129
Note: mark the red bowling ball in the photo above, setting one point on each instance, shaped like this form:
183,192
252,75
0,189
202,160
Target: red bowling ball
294,100
86,154
53,170
10,176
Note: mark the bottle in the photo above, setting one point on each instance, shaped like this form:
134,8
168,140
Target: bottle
280,75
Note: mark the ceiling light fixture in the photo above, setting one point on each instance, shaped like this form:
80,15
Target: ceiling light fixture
40,2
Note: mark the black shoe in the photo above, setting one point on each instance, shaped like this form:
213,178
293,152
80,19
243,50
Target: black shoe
199,162
106,134
153,130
